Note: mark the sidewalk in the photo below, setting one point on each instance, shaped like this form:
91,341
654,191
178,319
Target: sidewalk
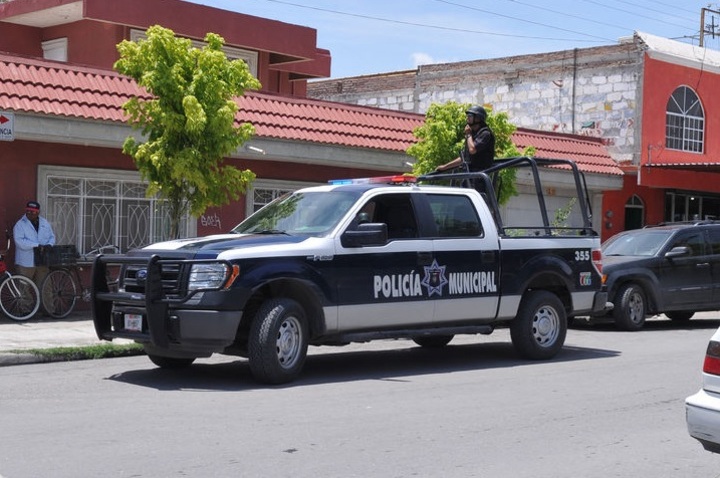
75,330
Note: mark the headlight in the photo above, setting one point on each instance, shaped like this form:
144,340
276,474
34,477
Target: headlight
211,275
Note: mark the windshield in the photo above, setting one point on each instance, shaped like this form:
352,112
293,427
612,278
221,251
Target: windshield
307,213
640,243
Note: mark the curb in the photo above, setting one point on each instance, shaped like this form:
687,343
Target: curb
20,359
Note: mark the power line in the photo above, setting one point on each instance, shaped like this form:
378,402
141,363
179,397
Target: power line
438,27
633,13
523,20
557,12
659,3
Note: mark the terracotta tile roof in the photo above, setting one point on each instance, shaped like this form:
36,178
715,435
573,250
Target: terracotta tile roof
52,88
319,121
46,87
589,153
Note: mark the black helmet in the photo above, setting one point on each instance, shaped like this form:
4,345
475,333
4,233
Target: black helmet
479,112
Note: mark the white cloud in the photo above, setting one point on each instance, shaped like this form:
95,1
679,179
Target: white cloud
422,59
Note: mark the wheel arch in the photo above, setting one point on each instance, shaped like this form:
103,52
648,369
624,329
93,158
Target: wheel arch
648,284
554,282
307,294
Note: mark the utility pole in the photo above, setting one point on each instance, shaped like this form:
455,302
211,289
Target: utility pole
704,28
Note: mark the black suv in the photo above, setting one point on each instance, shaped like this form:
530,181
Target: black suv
669,269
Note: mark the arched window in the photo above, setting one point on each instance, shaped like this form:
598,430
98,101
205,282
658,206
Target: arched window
684,121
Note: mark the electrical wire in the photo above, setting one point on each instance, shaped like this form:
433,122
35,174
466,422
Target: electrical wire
521,19
460,30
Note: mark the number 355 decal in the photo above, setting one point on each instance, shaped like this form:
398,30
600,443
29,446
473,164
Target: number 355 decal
582,255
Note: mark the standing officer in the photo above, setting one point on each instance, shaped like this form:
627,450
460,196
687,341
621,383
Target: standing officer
479,150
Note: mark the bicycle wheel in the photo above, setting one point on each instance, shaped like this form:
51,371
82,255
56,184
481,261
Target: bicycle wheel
19,297
59,293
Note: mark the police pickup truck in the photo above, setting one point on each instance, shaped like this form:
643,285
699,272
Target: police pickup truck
354,261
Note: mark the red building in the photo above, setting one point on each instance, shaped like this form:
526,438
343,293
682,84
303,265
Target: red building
65,103
65,106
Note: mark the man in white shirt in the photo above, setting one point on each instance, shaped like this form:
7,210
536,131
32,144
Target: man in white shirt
31,231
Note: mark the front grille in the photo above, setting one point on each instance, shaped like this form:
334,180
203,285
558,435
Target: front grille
134,277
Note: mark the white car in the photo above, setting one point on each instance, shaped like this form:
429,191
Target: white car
702,410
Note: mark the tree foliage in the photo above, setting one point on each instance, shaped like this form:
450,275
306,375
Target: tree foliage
188,120
441,138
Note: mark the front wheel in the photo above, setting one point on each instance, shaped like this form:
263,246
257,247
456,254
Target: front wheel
59,293
539,329
19,298
629,311
278,341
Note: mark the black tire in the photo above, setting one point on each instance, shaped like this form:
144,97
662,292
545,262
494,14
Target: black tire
58,293
538,331
172,363
680,315
19,298
630,307
433,341
278,341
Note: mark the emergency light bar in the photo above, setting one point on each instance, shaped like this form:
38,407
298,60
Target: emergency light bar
395,179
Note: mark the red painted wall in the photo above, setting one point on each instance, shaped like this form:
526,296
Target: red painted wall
101,52
18,182
20,39
660,80
615,201
20,161
93,41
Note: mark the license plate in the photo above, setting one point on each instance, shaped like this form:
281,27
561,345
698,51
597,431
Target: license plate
133,322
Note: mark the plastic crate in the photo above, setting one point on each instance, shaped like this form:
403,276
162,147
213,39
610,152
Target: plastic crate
56,255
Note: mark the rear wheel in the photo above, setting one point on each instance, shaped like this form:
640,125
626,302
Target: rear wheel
19,298
433,341
630,307
680,315
539,329
59,293
278,341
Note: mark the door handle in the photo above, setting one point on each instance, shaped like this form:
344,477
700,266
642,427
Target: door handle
703,265
424,258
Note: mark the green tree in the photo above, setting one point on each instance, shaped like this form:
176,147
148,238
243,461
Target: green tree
188,120
441,138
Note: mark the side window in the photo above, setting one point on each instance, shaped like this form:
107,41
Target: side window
397,212
455,216
714,240
694,242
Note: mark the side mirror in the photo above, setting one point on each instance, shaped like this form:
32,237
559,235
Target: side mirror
678,252
368,234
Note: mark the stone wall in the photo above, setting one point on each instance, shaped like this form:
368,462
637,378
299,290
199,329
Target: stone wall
590,91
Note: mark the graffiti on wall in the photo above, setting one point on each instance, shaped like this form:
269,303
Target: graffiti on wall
211,221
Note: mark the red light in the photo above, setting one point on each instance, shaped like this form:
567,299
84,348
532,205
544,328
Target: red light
597,260
712,358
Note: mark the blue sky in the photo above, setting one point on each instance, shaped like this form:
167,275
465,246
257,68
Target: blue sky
379,36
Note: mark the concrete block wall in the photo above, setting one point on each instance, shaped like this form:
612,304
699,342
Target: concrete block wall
591,91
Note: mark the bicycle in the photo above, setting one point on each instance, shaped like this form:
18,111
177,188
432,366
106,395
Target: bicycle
59,290
19,296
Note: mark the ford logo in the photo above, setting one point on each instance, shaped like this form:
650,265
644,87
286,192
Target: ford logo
141,274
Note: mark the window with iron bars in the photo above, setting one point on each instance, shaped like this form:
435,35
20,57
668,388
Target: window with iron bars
92,208
264,191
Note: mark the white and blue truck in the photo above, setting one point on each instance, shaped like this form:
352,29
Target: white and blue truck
354,261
